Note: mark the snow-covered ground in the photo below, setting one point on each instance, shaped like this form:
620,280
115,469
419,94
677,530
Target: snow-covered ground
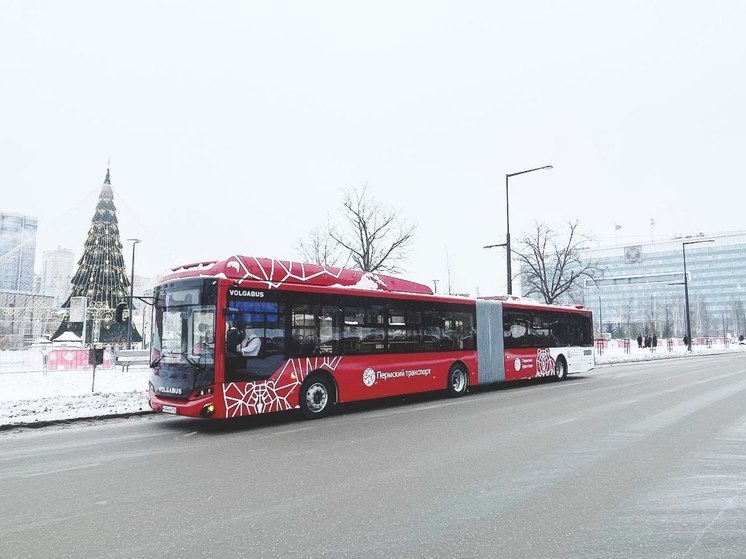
34,397
37,397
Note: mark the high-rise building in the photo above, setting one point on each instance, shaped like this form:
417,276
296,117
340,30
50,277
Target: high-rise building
56,273
639,288
17,252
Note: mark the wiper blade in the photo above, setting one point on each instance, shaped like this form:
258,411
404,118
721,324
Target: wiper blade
184,355
193,363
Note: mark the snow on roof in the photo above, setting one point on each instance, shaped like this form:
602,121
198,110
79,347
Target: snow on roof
275,273
67,337
530,302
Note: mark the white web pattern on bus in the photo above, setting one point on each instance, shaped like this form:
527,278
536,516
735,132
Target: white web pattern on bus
290,269
273,395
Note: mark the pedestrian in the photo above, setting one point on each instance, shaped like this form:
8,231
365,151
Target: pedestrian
639,341
686,341
655,341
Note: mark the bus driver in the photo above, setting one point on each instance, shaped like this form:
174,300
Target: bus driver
250,345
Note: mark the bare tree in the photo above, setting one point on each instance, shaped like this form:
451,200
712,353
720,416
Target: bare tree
375,235
552,266
320,248
668,320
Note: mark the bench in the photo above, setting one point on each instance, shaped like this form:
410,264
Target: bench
127,357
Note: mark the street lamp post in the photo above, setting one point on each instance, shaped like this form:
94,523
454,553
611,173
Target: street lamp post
686,292
507,221
132,288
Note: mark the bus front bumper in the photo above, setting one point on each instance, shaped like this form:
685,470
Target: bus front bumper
198,407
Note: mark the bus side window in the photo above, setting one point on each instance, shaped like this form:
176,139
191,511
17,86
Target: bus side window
353,318
329,330
374,331
432,330
304,332
403,329
459,331
516,330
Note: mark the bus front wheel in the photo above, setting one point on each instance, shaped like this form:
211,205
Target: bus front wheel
316,397
458,381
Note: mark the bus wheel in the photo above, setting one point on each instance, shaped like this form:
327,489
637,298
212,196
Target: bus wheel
316,397
560,369
458,381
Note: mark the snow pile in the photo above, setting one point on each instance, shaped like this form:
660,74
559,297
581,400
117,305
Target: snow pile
369,281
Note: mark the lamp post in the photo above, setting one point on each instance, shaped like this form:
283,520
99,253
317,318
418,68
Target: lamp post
507,220
686,292
132,288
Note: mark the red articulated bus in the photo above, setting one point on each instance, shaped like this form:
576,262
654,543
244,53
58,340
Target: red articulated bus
246,336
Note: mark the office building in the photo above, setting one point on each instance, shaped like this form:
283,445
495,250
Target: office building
17,252
640,287
56,273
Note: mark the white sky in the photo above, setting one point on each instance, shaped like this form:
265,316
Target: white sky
233,126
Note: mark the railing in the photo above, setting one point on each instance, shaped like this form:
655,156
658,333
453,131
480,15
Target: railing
127,357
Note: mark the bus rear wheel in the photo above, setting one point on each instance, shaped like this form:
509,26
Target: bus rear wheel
560,369
316,397
458,381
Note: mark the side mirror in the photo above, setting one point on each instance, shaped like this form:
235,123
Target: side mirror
121,307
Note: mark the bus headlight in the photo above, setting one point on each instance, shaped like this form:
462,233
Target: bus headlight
207,411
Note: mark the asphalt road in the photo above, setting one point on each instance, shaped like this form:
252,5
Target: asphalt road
640,460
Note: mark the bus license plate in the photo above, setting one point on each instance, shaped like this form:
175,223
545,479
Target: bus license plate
168,409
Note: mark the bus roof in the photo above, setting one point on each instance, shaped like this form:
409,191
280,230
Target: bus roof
278,272
525,302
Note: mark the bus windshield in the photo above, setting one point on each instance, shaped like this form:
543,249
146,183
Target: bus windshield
183,344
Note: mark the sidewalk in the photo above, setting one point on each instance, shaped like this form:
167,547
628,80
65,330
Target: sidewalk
612,355
37,398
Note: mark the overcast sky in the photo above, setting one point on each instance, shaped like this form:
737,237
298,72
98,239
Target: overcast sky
233,127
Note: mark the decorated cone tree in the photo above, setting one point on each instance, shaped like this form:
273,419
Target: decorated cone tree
101,277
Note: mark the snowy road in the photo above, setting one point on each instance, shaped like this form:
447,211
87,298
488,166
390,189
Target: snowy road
640,460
